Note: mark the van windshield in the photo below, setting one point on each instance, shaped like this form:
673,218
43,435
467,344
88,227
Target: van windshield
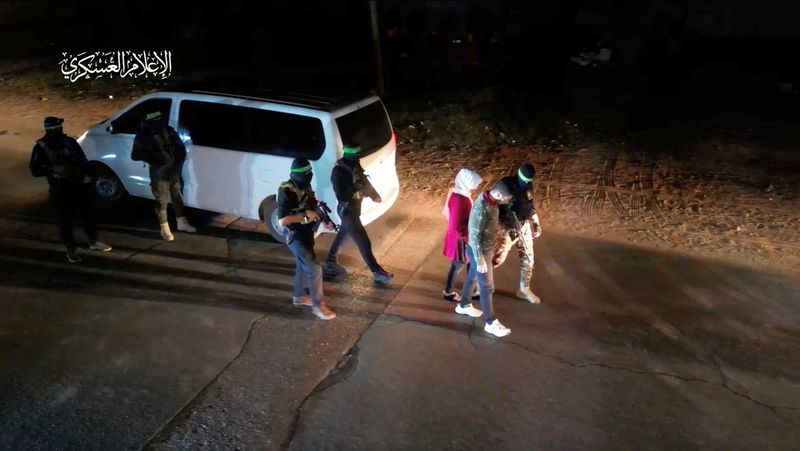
367,127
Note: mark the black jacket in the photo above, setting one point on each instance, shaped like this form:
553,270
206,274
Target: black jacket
351,184
521,204
291,200
59,158
159,146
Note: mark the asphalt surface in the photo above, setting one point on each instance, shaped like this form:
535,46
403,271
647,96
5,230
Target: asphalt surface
194,343
629,350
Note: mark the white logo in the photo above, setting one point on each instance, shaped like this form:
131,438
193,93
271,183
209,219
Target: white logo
123,63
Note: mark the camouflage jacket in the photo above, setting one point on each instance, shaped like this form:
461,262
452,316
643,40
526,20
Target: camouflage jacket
482,229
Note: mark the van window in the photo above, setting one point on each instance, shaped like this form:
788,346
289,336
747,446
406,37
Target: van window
131,121
367,127
251,130
287,135
213,125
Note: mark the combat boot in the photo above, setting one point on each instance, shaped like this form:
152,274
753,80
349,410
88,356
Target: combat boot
525,292
184,226
166,234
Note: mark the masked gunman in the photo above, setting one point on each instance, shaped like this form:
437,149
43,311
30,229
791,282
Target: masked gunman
521,224
61,159
351,186
158,145
297,213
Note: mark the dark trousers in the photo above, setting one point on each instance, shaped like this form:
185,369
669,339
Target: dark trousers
455,268
68,198
485,282
308,272
163,192
351,227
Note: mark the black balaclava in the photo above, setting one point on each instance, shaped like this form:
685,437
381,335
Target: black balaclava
351,154
301,173
525,174
52,127
152,121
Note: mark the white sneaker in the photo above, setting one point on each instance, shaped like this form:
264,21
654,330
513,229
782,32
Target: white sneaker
166,234
528,295
322,311
184,226
99,246
468,310
301,300
496,329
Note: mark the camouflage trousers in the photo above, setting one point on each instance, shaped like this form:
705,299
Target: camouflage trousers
506,239
163,192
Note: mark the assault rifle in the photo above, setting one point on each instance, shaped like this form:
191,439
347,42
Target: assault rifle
518,229
324,212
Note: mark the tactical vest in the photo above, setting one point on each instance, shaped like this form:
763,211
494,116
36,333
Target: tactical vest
164,145
358,178
305,198
63,163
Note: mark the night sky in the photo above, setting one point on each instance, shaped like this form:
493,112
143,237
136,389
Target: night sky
430,47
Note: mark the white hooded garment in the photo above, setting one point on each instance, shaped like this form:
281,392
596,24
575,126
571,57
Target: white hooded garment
466,181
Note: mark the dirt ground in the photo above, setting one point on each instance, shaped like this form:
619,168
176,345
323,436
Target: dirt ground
713,207
726,196
721,185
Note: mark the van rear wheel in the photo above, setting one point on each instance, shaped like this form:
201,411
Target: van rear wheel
269,214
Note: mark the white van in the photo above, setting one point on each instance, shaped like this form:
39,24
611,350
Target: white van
240,147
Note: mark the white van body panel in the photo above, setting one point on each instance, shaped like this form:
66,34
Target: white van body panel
237,182
379,166
114,150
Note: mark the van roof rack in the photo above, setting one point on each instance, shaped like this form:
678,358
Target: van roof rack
316,101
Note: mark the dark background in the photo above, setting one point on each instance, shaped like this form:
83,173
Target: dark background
675,57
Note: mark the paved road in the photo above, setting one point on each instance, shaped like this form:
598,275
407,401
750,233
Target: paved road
193,344
105,354
629,350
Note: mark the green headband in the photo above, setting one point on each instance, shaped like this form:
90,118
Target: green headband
151,116
303,169
522,177
351,149
53,127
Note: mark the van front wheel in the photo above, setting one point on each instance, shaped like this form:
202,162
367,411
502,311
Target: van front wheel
269,214
107,186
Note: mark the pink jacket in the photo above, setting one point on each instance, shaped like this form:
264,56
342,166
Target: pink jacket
459,207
